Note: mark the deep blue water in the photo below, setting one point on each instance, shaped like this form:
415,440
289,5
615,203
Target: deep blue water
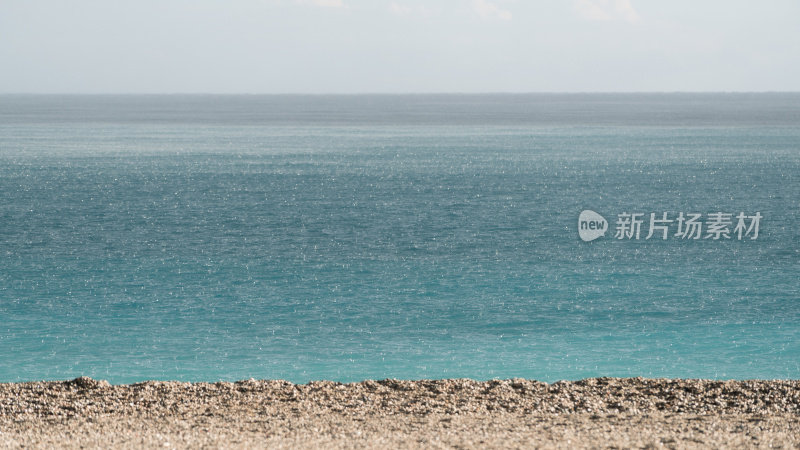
355,237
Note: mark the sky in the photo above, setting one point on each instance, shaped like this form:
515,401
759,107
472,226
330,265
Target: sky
398,46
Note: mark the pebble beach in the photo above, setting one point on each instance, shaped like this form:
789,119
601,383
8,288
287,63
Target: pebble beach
454,413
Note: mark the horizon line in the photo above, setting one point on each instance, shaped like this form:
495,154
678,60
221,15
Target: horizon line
355,94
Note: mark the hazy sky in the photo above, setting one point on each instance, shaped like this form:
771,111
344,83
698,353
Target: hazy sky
354,46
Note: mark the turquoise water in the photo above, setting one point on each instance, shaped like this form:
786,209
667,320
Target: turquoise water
346,238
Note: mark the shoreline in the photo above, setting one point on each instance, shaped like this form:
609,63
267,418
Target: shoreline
604,412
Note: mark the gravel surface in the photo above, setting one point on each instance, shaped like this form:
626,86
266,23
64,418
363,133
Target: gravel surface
592,413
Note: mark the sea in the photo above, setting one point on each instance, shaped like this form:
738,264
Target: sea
352,237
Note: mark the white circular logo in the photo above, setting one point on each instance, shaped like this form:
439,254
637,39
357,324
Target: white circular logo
591,225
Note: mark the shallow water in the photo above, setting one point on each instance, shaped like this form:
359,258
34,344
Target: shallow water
345,238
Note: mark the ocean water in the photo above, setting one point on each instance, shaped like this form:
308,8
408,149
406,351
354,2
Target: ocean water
368,237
